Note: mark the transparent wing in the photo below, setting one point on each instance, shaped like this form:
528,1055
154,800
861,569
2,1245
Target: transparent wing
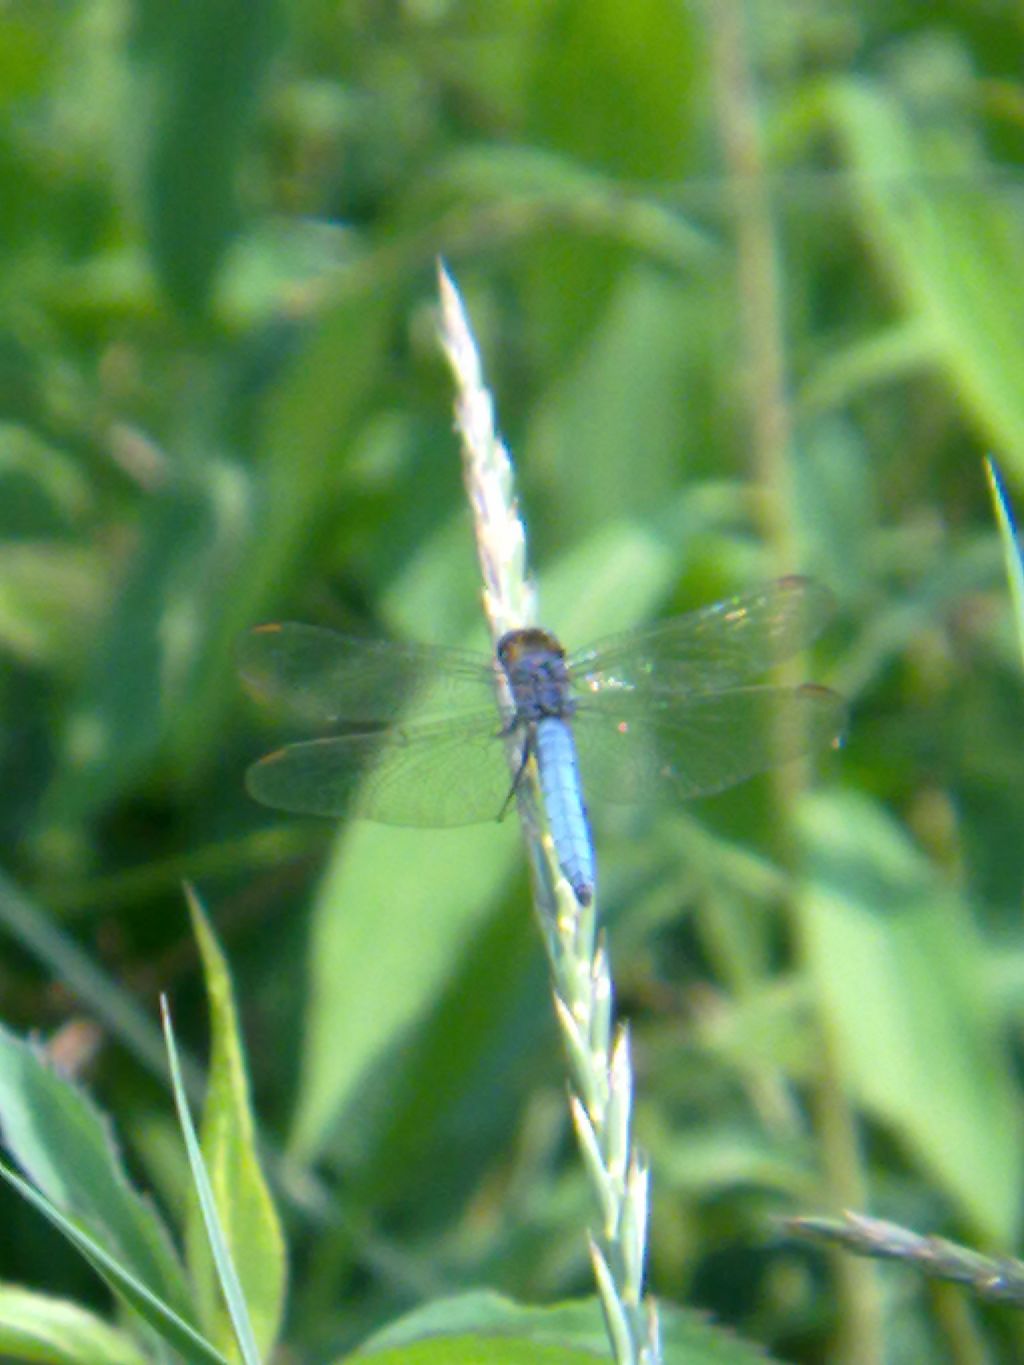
719,646
639,748
321,677
430,774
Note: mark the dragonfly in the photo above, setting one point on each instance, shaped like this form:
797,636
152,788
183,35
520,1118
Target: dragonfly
423,733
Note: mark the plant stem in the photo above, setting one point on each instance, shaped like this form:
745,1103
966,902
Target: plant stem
764,347
601,1079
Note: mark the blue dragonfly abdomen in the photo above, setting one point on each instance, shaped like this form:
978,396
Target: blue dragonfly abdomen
558,774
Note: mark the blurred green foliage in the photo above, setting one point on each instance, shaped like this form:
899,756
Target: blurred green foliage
222,400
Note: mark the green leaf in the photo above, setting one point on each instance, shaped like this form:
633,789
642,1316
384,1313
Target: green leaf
247,1213
203,66
499,1329
898,972
482,1351
617,411
397,907
227,1274
485,1313
39,1328
152,1309
617,87
951,252
1011,546
61,1141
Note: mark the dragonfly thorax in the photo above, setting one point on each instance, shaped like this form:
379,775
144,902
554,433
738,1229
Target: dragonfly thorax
534,666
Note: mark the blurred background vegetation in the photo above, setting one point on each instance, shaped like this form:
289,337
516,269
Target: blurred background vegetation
749,283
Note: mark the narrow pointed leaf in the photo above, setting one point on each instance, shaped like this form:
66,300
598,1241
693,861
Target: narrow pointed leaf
165,1322
227,1274
1011,546
247,1213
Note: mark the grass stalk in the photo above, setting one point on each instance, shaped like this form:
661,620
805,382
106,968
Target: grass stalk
600,1072
994,1279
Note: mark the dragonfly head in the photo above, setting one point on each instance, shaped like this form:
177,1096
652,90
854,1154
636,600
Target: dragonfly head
517,645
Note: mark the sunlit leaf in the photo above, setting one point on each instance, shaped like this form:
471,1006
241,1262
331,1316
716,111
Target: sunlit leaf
247,1214
226,1270
489,1324
36,1327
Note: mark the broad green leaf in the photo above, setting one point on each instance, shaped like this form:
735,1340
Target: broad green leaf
203,66
392,916
953,253
150,1307
898,973
617,88
485,1313
617,412
397,907
481,1351
493,1322
39,1328
247,1214
226,1271
65,1146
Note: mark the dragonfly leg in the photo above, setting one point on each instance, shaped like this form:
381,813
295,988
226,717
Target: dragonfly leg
523,760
